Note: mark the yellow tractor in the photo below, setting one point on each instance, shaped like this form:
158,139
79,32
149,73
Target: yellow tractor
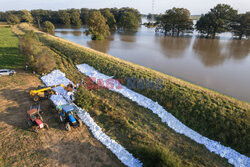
44,92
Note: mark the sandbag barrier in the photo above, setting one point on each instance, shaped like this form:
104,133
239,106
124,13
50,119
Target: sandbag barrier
231,155
56,77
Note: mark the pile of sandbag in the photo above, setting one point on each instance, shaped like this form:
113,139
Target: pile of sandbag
233,156
63,97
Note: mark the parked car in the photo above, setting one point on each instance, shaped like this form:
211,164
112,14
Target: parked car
7,72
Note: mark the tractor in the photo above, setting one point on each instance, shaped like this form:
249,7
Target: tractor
34,118
69,117
44,92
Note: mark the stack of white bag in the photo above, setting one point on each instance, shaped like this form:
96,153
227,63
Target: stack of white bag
111,144
57,77
233,157
58,100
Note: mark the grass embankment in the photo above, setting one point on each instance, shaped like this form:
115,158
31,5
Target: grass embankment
9,52
212,114
137,128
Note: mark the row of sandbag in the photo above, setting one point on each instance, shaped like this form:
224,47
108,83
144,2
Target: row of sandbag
231,155
63,97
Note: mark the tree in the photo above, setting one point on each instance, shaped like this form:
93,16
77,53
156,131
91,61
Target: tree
110,18
175,21
84,15
2,16
75,18
205,24
128,22
97,25
64,17
219,19
48,27
40,16
12,19
26,16
241,25
121,11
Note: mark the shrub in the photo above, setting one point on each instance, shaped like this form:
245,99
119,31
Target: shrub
84,98
12,19
28,44
155,156
48,27
44,61
39,58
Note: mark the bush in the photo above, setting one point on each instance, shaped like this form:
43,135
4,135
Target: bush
12,19
44,61
48,27
39,58
84,98
28,44
155,156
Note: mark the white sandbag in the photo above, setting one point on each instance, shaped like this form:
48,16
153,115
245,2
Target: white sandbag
231,155
58,100
57,77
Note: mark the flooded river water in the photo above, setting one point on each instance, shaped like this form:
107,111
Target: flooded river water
221,64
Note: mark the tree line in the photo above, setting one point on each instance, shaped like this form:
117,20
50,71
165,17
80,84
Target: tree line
175,21
221,18
100,22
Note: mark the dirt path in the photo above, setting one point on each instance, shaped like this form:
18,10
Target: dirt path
53,147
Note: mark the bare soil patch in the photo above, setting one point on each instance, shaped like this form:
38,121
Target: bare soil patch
54,147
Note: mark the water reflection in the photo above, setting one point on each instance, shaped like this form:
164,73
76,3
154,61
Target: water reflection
238,49
127,36
63,32
100,45
77,33
209,51
173,47
214,52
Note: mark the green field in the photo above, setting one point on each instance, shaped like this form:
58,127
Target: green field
140,131
9,51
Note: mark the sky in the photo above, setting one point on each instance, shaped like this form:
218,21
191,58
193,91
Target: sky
196,7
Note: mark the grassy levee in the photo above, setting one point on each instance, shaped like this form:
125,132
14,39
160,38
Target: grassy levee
137,129
9,52
213,115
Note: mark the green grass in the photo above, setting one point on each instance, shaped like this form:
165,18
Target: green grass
142,133
9,52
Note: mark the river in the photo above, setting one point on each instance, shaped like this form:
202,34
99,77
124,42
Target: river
222,65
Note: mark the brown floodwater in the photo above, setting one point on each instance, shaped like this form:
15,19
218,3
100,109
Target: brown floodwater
222,65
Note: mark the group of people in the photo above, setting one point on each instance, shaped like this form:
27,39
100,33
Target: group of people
75,87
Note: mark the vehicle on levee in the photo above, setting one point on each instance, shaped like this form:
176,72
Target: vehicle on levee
44,92
69,117
7,72
34,118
